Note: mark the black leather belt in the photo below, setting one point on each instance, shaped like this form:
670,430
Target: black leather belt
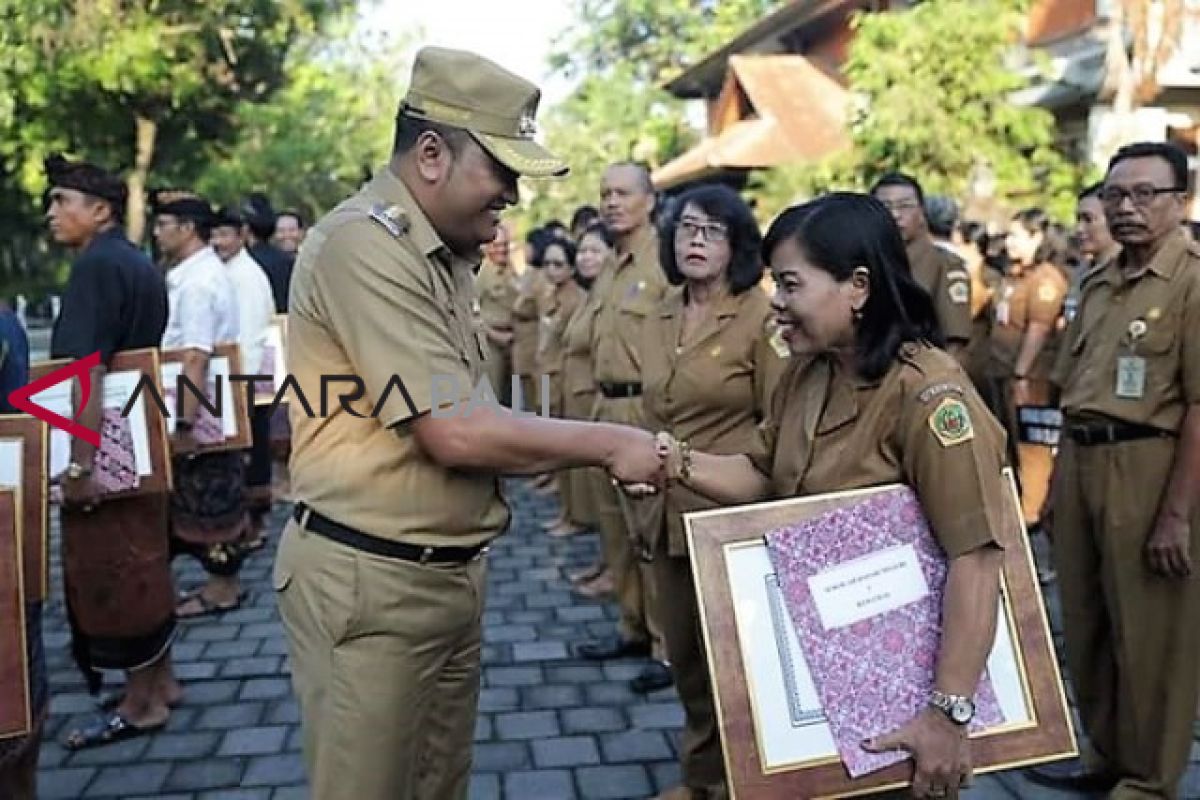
323,525
1093,433
616,390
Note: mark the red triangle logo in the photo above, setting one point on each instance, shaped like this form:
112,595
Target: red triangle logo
22,398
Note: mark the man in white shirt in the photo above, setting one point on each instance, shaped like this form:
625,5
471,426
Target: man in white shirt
208,519
256,307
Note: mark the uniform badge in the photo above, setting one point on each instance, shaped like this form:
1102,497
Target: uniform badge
1047,293
951,423
1154,313
392,218
716,351
960,292
1137,329
778,344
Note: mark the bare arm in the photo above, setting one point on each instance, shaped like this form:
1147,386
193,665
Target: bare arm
195,369
1168,549
727,479
494,439
83,452
969,604
1031,346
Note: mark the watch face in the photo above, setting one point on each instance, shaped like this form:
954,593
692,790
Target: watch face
962,711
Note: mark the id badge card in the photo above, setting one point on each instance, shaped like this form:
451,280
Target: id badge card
1002,312
1131,377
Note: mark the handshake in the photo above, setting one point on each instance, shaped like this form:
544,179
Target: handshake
642,463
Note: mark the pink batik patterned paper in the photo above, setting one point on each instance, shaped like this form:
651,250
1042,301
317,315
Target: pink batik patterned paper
115,466
874,675
206,429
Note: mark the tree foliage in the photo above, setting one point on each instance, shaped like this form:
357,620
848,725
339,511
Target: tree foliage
933,88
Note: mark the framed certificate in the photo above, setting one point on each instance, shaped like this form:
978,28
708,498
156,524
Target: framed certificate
134,457
274,361
24,450
776,738
231,429
16,717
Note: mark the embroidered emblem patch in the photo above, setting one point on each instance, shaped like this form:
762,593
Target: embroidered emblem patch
1047,293
960,292
937,389
778,344
951,423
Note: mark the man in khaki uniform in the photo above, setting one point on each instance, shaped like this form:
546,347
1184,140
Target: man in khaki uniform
380,574
1125,490
625,296
936,269
496,284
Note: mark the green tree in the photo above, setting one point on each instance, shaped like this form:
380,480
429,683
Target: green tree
933,90
313,143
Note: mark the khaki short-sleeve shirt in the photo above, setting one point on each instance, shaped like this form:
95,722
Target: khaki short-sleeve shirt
564,301
712,391
497,288
945,277
922,425
376,295
626,296
1153,316
1037,295
532,300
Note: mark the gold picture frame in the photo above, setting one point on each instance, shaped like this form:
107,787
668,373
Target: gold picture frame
726,547
28,440
16,713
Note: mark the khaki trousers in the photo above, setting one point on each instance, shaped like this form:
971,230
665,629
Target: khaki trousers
1132,639
632,576
385,662
700,747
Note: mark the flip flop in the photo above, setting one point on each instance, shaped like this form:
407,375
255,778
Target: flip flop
108,730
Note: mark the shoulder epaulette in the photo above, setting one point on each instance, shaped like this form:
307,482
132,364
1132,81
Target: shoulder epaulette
393,218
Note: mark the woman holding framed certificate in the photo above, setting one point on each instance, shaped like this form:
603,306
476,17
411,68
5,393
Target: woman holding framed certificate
870,399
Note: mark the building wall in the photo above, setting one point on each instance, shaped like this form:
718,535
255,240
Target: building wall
1054,19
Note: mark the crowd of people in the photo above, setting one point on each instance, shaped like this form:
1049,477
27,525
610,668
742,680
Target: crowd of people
693,361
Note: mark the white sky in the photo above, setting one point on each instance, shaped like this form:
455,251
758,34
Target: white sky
516,34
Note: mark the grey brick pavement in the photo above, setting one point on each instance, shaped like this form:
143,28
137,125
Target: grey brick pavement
549,727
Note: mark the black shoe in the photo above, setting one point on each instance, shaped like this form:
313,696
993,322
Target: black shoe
1072,775
655,676
613,647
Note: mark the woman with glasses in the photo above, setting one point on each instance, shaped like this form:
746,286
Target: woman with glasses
564,298
869,399
712,357
1026,322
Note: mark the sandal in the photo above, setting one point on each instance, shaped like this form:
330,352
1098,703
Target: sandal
208,607
108,730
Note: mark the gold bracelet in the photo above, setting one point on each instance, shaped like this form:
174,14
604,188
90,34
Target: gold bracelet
685,460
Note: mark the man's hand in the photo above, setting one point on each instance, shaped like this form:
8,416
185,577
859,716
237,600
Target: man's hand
1022,392
1168,548
940,750
634,460
80,493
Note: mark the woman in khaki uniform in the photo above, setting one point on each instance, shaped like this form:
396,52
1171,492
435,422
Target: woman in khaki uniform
565,297
869,399
579,388
1027,316
710,362
532,296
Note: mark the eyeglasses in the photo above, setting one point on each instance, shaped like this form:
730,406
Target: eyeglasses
901,205
1141,194
711,232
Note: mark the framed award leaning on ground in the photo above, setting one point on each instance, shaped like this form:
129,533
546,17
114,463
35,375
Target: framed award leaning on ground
133,458
779,742
274,361
225,424
24,445
15,711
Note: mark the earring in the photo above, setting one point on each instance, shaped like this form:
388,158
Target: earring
856,314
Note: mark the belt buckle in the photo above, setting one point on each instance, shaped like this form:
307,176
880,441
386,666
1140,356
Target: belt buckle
426,554
305,515
483,551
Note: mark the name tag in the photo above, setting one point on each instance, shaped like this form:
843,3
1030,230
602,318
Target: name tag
1002,312
1131,377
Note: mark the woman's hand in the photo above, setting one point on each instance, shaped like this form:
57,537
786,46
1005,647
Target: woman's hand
940,750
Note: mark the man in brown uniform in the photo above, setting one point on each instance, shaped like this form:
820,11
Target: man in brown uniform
496,284
940,272
380,575
1126,485
625,296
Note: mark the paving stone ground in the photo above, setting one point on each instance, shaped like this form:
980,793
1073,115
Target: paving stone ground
550,726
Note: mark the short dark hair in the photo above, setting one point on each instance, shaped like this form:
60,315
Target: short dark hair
583,217
900,179
538,238
259,214
941,213
568,248
842,231
293,214
745,242
601,230
1172,154
1091,191
409,129
203,224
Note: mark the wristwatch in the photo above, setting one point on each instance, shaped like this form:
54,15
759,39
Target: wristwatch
960,710
75,471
